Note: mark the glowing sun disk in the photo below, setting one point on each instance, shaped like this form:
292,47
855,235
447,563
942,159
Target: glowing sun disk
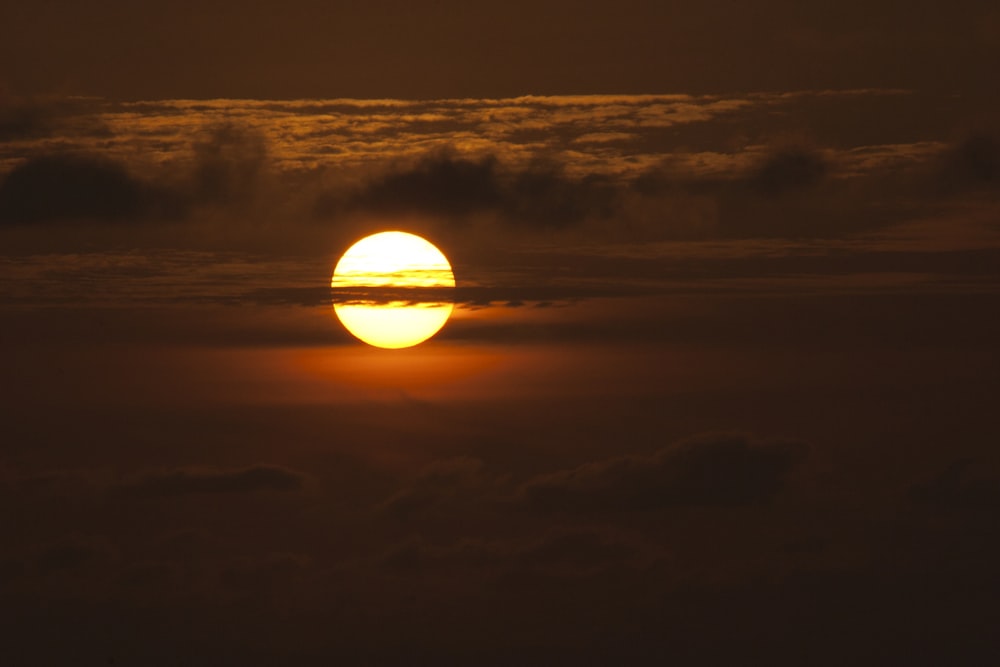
393,260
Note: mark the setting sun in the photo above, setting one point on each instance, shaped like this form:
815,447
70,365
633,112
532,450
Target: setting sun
384,282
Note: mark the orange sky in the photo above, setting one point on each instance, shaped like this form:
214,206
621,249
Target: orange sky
390,48
719,386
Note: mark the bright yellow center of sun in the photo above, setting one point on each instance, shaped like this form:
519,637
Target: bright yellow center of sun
393,289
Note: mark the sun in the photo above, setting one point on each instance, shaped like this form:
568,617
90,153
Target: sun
393,289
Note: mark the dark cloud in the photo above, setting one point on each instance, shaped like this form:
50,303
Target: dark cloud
787,170
962,487
229,163
575,552
71,554
156,574
438,483
64,557
572,552
973,162
792,191
539,195
227,169
544,196
202,480
439,184
709,470
33,118
71,187
264,572
722,172
788,192
706,470
417,555
22,121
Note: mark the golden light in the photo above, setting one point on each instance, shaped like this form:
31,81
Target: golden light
376,273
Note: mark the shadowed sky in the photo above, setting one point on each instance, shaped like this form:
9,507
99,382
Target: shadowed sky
392,48
719,386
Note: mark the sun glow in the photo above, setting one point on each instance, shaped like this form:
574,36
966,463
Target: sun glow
393,289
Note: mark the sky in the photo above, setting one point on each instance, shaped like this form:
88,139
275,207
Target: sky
719,385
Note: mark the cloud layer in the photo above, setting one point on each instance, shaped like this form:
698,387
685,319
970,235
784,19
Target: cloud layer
206,480
66,187
710,470
622,168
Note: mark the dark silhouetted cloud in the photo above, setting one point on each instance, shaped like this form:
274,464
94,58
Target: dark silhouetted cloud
228,165
229,162
71,553
974,161
575,551
340,160
711,470
264,571
707,470
22,121
72,119
203,480
544,196
68,187
563,553
437,483
540,194
960,488
439,184
64,557
781,191
791,169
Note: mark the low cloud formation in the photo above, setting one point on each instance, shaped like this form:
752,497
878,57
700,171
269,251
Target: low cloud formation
716,470
439,184
227,169
709,470
264,572
22,121
783,191
787,170
973,162
73,119
349,165
565,553
438,483
539,195
71,187
577,551
962,488
71,554
228,165
185,481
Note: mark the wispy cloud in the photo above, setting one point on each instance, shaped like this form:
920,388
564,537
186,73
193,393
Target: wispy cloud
590,134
